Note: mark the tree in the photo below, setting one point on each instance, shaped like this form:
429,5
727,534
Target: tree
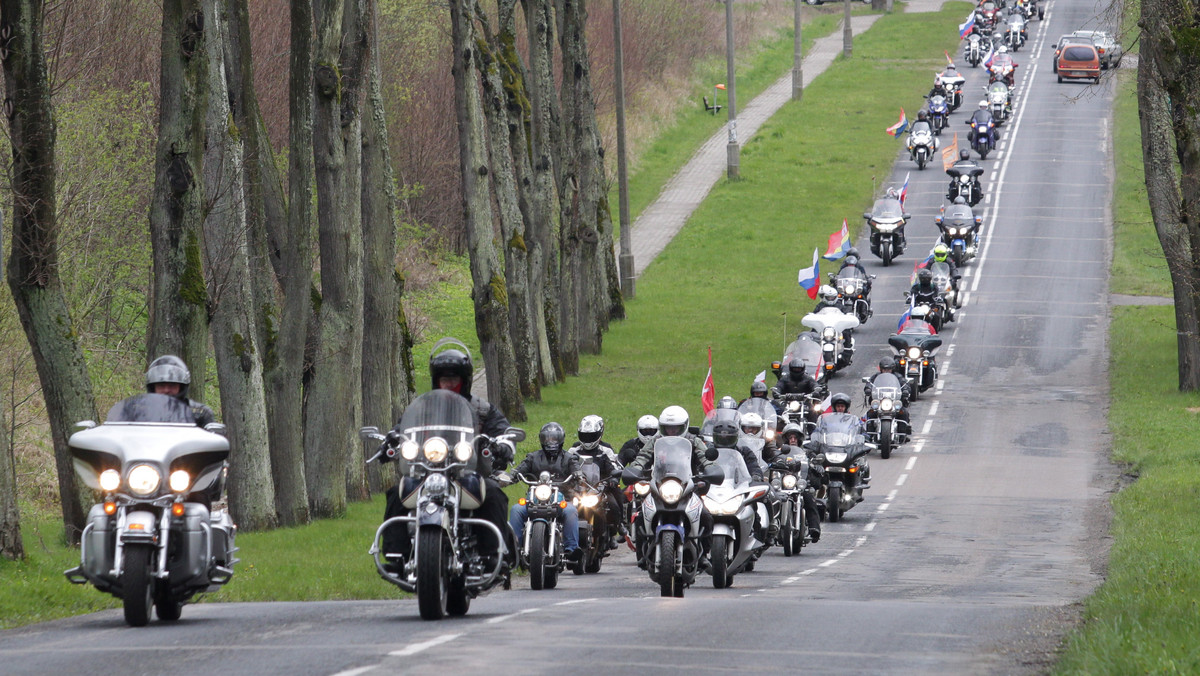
10,517
33,263
1169,109
179,321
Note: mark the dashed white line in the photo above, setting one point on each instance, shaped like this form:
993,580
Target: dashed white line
940,385
810,571
358,671
790,580
902,478
934,406
570,603
426,645
503,618
860,541
883,507
928,424
828,563
843,554
869,527
918,446
891,495
911,462
950,350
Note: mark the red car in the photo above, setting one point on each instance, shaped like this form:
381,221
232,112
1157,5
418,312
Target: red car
1079,62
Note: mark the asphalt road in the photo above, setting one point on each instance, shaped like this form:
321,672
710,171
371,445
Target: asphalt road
969,555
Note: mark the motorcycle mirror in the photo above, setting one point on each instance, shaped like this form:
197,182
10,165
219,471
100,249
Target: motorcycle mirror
866,379
617,473
215,428
701,488
86,424
370,432
515,433
867,215
693,430
906,215
1054,46
712,453
630,477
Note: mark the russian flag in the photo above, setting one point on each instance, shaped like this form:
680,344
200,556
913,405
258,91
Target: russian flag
922,264
898,128
809,277
839,243
904,189
903,320
964,29
987,59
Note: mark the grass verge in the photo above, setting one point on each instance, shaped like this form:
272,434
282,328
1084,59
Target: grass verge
727,281
1145,617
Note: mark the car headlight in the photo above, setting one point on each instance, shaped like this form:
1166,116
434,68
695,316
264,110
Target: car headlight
723,507
886,405
590,500
436,449
835,458
914,352
408,450
641,488
789,481
671,491
179,480
110,480
793,406
463,451
144,480
543,492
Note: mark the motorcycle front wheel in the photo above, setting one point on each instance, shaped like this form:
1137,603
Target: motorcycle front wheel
137,585
835,504
538,573
670,583
885,252
432,591
885,439
720,562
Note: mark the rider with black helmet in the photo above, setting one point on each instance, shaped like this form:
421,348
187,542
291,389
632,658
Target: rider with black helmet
795,380
592,448
923,291
791,438
563,466
888,365
170,376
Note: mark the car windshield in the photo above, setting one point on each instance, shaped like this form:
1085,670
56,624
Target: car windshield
1079,53
672,459
152,408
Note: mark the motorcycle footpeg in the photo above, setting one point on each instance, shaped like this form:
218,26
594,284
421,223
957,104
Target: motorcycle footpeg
75,575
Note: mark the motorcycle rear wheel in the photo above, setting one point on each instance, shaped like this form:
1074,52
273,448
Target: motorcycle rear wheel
670,584
885,439
137,584
458,601
538,574
720,562
167,609
432,591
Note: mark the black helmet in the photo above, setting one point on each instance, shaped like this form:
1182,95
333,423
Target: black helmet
887,364
852,252
449,357
964,154
839,398
921,115
792,428
851,260
924,276
725,434
551,437
758,389
168,369
796,367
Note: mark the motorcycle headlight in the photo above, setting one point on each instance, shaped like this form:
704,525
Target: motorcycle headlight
914,352
436,449
828,333
835,458
671,491
641,488
789,481
793,406
179,480
144,480
408,450
886,227
723,507
110,480
543,492
463,451
886,405
590,500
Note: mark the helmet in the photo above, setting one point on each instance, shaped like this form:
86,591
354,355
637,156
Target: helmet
940,251
924,276
960,199
887,364
673,422
729,402
591,428
758,389
725,434
752,425
851,252
449,357
1003,49
793,428
921,115
852,260
839,398
647,427
964,155
796,367
828,293
168,369
937,80
551,437
983,105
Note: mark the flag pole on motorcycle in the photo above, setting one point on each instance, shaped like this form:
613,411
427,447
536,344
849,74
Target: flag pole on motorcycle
839,243
708,397
809,277
904,189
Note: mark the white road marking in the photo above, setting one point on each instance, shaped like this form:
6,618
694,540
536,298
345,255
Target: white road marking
891,495
356,672
950,350
569,603
426,645
911,463
940,385
504,618
933,408
844,554
928,423
903,477
883,507
810,571
869,527
860,541
827,564
790,580
918,446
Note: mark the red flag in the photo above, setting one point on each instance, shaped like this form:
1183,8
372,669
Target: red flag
708,397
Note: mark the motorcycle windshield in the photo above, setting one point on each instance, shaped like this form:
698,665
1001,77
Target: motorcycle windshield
439,413
763,408
152,408
672,459
959,215
807,351
590,470
997,89
887,385
887,209
941,274
736,472
830,316
838,431
851,280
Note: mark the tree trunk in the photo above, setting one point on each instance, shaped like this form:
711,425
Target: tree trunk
489,289
33,263
542,121
234,332
179,321
1169,108
10,517
499,79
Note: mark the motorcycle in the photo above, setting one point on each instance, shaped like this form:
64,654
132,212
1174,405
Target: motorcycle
443,463
980,137
943,283
973,50
959,228
807,349
798,408
853,296
670,515
999,98
831,325
840,447
935,312
986,15
789,478
915,347
939,113
1002,69
887,219
735,504
542,550
153,541
964,182
921,146
591,503
885,399
1015,34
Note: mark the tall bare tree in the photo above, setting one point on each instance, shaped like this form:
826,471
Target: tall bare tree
179,321
11,546
1169,108
234,331
33,275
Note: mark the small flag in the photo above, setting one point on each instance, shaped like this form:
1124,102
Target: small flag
950,153
904,320
708,397
809,277
898,128
922,264
949,61
761,377
964,29
987,59
839,243
721,87
904,189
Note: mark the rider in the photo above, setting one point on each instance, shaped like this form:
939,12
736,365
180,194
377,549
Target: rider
451,369
796,379
758,390
840,403
563,467
829,298
941,254
1003,58
888,365
751,425
969,167
647,427
792,436
982,119
591,446
923,291
170,376
922,125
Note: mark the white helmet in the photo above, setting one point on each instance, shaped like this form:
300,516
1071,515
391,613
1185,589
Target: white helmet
828,293
1003,49
647,427
983,105
591,428
752,425
673,422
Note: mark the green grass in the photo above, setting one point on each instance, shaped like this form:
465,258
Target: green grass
726,281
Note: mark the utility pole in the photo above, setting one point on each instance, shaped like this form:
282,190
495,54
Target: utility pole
797,59
732,150
847,34
625,261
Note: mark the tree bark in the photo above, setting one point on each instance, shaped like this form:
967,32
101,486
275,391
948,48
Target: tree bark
33,262
489,288
179,318
1169,110
570,230
11,546
234,331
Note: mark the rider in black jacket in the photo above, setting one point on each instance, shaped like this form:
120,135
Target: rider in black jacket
591,447
792,434
647,427
796,380
563,466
